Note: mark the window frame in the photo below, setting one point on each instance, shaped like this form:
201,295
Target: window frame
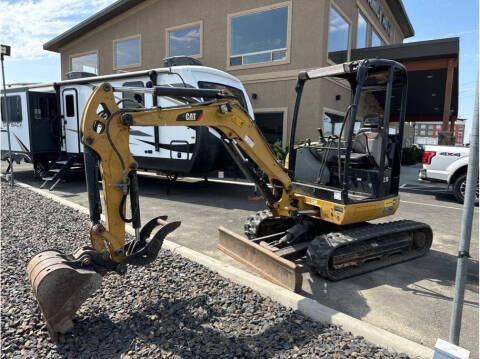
80,54
287,4
114,57
350,31
372,22
181,27
368,32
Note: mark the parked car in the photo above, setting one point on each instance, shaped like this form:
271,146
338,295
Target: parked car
447,164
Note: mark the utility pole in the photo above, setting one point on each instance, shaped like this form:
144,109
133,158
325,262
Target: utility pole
5,51
467,222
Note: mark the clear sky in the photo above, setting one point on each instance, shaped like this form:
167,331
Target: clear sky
27,24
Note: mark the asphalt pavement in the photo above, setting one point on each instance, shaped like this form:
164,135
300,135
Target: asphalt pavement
412,299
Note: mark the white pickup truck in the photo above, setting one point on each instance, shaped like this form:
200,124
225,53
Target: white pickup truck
446,164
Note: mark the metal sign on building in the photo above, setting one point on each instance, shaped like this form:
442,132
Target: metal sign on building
382,17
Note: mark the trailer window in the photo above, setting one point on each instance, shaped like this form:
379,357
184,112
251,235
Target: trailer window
70,106
14,106
137,97
235,91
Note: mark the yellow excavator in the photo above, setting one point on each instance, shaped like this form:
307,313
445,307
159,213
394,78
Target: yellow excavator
318,204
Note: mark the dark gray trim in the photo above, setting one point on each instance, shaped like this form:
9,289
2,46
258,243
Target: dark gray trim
430,49
91,23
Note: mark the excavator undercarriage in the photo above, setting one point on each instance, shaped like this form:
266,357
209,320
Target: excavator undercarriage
318,205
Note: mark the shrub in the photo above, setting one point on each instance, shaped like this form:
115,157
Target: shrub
411,155
279,151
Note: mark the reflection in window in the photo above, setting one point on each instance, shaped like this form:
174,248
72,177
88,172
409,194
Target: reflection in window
362,32
332,124
338,37
133,100
376,39
127,52
85,63
259,37
184,42
235,91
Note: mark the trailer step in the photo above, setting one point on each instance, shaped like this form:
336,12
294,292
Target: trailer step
59,169
56,182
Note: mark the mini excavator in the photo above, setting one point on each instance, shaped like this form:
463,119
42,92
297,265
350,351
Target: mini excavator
318,205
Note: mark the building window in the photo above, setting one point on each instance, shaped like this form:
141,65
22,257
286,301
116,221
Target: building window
185,40
430,130
127,52
259,37
376,41
85,63
338,37
421,130
362,32
14,107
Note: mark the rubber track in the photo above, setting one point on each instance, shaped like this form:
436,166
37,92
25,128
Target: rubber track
322,247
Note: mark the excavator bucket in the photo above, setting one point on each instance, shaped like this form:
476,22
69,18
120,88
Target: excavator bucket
60,289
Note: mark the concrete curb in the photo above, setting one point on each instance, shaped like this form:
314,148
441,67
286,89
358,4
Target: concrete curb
307,306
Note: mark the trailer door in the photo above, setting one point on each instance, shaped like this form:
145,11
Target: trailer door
71,126
44,123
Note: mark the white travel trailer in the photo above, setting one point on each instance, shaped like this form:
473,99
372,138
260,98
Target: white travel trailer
45,122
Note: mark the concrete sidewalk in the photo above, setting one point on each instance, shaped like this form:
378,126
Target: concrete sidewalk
412,299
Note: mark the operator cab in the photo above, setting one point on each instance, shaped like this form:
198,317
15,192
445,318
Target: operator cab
357,156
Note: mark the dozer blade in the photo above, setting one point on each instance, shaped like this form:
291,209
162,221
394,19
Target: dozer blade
60,289
261,260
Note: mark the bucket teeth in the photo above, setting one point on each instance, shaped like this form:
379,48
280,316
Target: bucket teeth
60,289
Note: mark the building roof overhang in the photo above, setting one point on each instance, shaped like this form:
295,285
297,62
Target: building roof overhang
90,23
428,64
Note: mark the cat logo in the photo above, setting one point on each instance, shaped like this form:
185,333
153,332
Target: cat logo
190,116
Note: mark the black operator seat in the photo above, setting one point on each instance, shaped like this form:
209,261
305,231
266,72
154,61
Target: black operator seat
367,144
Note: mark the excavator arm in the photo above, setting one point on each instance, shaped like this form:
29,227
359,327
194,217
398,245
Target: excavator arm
62,282
105,134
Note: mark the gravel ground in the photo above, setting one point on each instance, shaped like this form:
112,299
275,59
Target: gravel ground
172,308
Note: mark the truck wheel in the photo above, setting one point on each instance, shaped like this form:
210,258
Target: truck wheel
459,188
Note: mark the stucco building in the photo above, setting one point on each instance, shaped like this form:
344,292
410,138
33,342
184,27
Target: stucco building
265,43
